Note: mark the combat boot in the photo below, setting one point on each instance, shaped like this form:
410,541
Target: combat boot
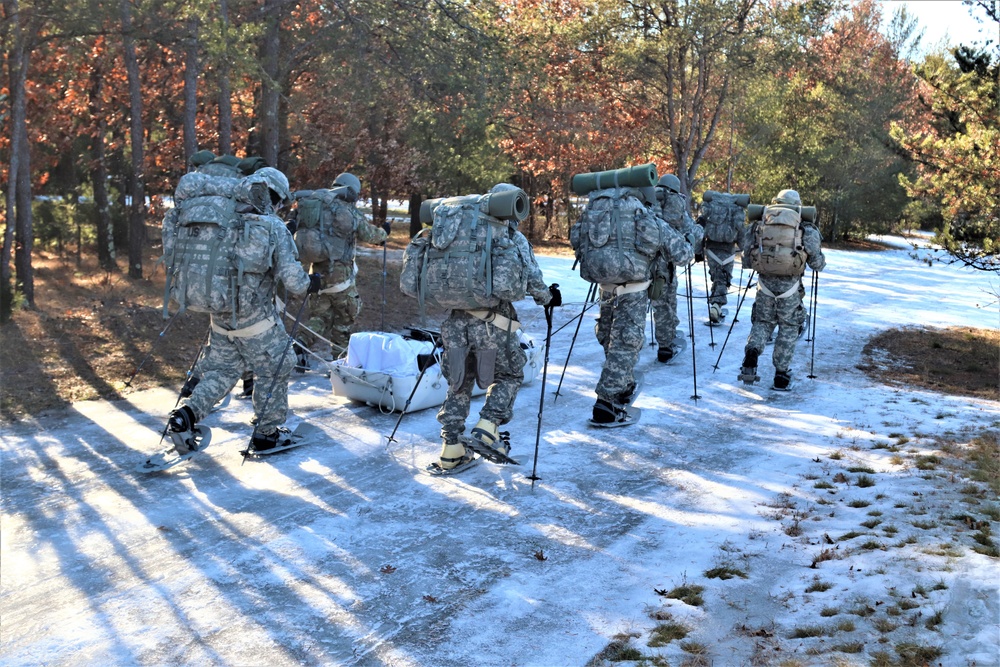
453,454
180,427
748,373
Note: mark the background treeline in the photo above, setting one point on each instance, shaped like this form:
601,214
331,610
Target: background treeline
104,101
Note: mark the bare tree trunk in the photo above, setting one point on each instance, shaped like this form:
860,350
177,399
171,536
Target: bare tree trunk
19,233
137,218
270,93
14,60
225,95
99,175
191,67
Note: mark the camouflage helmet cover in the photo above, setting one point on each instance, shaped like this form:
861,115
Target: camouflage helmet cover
276,182
350,181
670,182
788,197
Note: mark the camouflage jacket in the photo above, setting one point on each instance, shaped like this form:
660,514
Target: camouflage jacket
537,288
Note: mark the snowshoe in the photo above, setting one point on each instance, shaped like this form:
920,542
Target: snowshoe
748,372
782,381
609,415
716,315
667,353
193,441
459,464
491,443
281,440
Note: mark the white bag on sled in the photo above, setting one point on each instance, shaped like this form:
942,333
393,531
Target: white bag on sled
382,369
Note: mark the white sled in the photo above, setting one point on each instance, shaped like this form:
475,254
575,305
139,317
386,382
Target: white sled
382,369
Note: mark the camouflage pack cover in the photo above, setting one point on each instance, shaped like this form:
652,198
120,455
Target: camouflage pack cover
209,247
777,243
722,218
673,208
465,261
325,229
616,238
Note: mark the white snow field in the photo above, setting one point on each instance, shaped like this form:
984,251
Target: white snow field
848,534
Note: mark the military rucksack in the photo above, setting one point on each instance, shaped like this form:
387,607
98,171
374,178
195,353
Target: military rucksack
776,248
723,216
673,208
209,247
325,225
616,238
466,260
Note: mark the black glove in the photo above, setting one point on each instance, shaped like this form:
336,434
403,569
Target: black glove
698,257
292,226
387,226
189,386
556,299
315,283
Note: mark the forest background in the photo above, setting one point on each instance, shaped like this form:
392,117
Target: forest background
103,103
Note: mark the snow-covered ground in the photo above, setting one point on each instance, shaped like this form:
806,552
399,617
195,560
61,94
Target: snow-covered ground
344,552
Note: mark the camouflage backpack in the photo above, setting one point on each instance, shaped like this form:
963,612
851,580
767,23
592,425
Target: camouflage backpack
209,247
616,238
776,248
466,260
325,225
672,208
723,216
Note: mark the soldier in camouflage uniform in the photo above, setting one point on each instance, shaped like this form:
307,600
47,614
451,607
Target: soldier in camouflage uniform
779,301
672,207
621,324
335,309
485,348
258,338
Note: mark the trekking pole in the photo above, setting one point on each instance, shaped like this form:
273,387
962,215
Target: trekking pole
812,305
173,318
590,294
708,305
391,437
277,369
731,324
815,305
541,398
694,364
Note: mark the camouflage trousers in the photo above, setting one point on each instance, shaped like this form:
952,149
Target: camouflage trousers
332,316
223,364
475,351
620,332
665,311
721,273
786,313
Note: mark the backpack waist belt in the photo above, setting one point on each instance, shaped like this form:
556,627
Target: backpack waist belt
627,288
499,321
719,260
783,295
246,332
342,285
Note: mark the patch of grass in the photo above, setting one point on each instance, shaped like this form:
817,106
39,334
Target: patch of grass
837,455
920,590
858,504
923,525
935,619
824,555
823,485
819,586
897,460
849,647
890,530
875,513
806,631
689,594
940,586
872,545
864,469
907,605
938,359
985,456
863,610
912,539
844,625
850,536
917,655
865,481
725,572
991,511
929,462
694,648
884,625
664,633
882,659
619,650
826,612
871,523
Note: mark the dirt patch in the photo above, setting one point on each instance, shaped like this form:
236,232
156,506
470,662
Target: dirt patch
865,245
91,330
955,360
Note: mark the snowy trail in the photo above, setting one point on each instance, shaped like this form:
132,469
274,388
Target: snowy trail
343,552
